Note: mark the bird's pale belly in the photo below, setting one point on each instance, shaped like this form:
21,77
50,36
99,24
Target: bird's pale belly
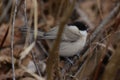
70,49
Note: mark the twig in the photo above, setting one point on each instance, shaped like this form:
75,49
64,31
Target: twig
27,50
37,68
35,19
26,24
28,38
54,51
35,33
12,39
4,38
42,48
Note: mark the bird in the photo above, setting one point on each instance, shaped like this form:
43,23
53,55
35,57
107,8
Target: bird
73,38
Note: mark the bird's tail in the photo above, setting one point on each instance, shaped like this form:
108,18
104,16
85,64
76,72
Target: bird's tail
23,30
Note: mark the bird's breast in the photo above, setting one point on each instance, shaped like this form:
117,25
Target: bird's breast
71,48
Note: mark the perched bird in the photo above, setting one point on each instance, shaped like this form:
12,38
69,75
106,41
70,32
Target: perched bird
73,38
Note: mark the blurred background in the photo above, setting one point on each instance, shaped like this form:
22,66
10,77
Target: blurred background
101,61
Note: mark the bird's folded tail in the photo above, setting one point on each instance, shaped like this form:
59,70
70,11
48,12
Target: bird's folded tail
23,30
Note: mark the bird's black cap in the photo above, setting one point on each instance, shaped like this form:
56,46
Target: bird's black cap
80,25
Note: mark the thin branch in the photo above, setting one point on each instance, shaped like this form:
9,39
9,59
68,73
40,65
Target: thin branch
28,38
12,39
36,65
42,48
35,19
4,38
54,57
26,24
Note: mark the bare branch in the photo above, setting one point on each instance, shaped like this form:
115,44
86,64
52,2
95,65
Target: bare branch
54,56
12,39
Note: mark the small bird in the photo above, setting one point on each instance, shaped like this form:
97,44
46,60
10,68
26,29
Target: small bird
73,38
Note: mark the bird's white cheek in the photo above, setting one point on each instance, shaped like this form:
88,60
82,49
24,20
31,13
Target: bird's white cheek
83,33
